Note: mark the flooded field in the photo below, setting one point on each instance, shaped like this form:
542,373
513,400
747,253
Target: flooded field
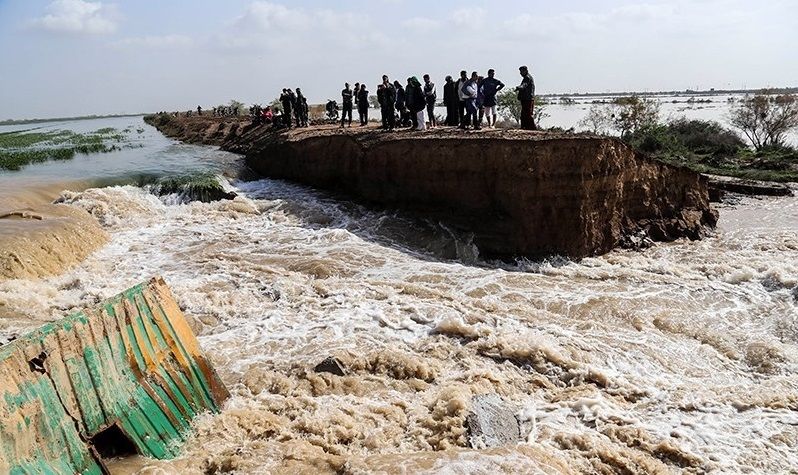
682,357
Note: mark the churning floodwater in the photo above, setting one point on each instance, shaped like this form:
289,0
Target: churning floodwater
681,357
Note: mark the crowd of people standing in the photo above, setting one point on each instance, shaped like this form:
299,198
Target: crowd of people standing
469,101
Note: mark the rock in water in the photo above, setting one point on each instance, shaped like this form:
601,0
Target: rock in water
331,365
491,422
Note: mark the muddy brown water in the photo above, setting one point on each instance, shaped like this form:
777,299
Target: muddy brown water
680,358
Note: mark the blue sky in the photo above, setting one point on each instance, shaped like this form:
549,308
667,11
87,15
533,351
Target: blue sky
71,57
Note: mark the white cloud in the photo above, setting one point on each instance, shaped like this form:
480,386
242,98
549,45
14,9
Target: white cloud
271,25
421,24
77,16
165,41
471,17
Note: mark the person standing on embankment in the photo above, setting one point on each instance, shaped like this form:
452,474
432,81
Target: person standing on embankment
363,105
470,90
388,101
450,100
490,87
346,98
526,94
461,104
431,95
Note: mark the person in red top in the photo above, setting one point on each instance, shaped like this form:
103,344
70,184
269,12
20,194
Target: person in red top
267,115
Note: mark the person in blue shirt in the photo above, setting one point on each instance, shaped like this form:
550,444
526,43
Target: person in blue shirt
490,88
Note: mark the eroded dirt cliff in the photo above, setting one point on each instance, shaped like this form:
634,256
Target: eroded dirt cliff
520,193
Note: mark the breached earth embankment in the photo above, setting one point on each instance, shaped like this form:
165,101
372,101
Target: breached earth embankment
520,193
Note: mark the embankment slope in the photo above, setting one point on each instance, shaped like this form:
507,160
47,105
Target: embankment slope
520,193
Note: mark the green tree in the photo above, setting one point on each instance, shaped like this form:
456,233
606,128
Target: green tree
598,120
634,113
509,107
237,105
766,120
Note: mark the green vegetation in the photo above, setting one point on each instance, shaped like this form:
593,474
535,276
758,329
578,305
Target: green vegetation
20,148
509,108
200,186
708,147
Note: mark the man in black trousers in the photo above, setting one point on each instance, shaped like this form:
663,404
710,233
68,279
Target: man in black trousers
346,97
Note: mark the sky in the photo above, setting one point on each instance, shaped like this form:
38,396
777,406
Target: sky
81,57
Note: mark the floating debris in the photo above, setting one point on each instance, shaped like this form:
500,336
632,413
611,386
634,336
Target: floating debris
124,378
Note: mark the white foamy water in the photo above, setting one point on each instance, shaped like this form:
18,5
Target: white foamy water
679,358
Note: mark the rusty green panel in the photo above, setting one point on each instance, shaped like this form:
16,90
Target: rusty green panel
132,363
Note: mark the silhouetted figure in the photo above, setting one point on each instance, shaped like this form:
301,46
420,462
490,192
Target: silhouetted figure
302,108
288,107
388,102
380,100
401,104
332,110
450,100
490,87
363,105
526,94
199,110
430,96
346,99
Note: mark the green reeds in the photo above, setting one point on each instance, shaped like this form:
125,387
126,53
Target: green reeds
23,147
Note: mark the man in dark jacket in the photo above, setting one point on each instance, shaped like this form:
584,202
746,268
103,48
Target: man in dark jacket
292,98
288,107
490,87
430,95
401,104
461,104
363,105
388,102
380,99
526,95
346,98
301,108
450,100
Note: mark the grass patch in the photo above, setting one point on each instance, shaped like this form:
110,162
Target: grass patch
708,147
200,186
20,148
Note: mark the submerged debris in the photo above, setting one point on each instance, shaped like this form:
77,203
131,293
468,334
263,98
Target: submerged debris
331,365
122,379
491,422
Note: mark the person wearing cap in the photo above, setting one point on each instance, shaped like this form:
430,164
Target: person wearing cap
526,95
